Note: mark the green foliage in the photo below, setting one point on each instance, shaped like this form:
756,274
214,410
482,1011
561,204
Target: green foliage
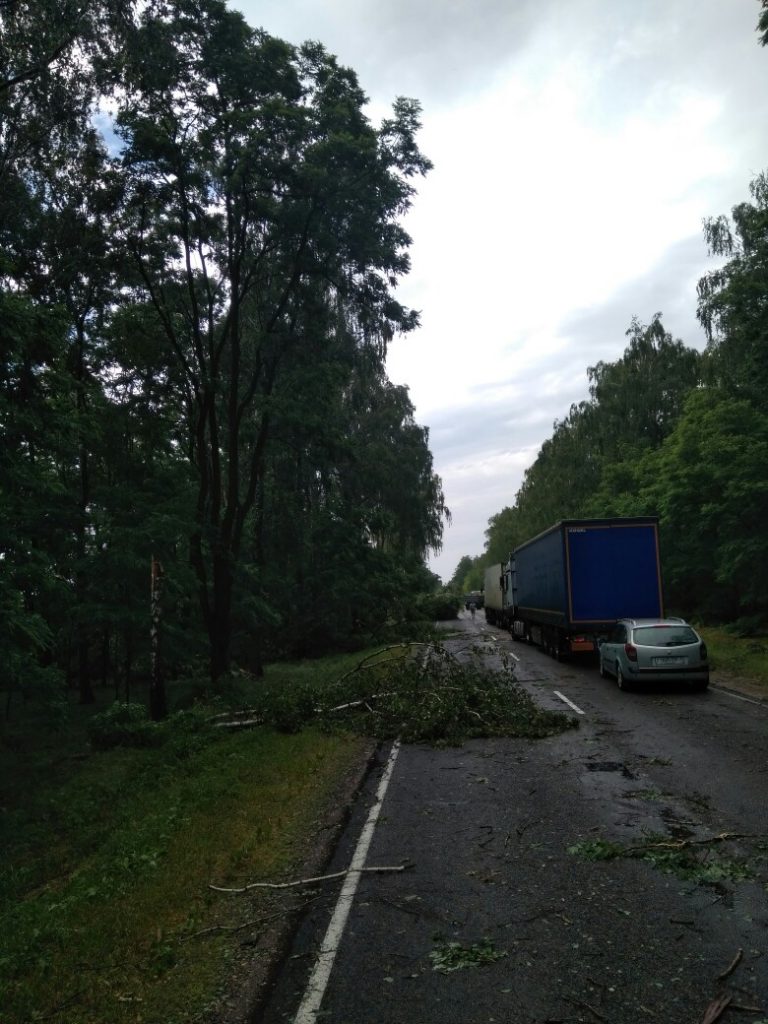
732,298
680,858
469,575
129,725
108,857
708,483
733,652
264,323
447,957
418,692
442,607
433,696
596,849
194,336
123,725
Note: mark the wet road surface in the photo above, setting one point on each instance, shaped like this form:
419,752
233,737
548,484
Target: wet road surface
487,829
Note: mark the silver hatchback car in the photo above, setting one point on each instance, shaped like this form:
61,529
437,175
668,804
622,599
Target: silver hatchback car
654,650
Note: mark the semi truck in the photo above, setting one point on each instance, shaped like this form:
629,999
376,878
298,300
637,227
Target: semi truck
566,587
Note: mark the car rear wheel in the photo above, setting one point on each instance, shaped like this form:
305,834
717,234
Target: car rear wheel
621,680
700,685
602,669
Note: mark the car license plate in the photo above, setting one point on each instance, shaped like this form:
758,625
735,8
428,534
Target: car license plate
664,662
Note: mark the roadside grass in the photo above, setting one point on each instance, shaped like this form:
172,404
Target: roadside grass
737,655
108,856
100,897
106,916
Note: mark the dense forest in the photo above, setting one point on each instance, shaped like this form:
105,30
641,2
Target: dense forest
200,242
674,432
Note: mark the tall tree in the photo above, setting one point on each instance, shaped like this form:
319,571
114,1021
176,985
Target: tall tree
350,505
708,484
257,189
733,299
639,398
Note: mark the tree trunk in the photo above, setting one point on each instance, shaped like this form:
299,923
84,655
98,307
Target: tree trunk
105,655
128,665
83,678
158,706
220,621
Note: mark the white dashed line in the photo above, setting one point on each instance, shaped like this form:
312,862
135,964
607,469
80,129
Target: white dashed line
313,997
568,702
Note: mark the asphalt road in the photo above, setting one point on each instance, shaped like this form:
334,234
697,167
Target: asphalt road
487,829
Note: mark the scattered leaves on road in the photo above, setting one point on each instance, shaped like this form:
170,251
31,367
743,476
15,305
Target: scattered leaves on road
452,956
691,860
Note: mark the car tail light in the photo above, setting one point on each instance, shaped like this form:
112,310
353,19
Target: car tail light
703,651
631,651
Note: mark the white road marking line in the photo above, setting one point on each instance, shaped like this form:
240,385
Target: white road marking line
736,696
568,702
313,997
515,656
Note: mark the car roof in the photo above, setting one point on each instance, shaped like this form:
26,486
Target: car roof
670,621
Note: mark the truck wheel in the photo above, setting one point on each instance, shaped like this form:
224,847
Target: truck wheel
621,681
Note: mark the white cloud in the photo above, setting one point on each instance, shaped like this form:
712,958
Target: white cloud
577,148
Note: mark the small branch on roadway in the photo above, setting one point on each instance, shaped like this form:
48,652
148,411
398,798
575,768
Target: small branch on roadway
310,881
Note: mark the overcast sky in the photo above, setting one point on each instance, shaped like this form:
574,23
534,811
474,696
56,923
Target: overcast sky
577,146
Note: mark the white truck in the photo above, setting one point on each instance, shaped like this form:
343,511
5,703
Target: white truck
494,594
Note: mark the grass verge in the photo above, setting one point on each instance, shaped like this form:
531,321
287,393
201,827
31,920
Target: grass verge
108,856
738,655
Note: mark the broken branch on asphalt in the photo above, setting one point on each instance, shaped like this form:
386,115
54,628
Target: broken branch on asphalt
684,844
716,1009
732,966
310,881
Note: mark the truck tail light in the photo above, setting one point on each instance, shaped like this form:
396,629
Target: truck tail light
703,651
631,651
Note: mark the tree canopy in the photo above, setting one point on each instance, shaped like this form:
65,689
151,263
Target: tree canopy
201,241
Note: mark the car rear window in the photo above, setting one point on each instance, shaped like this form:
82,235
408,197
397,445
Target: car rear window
663,636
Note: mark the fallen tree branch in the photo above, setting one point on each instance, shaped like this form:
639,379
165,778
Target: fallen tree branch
239,723
359,703
231,715
731,966
683,844
310,881
716,1009
364,663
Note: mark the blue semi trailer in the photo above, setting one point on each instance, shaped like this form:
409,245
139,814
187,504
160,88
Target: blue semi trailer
565,588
